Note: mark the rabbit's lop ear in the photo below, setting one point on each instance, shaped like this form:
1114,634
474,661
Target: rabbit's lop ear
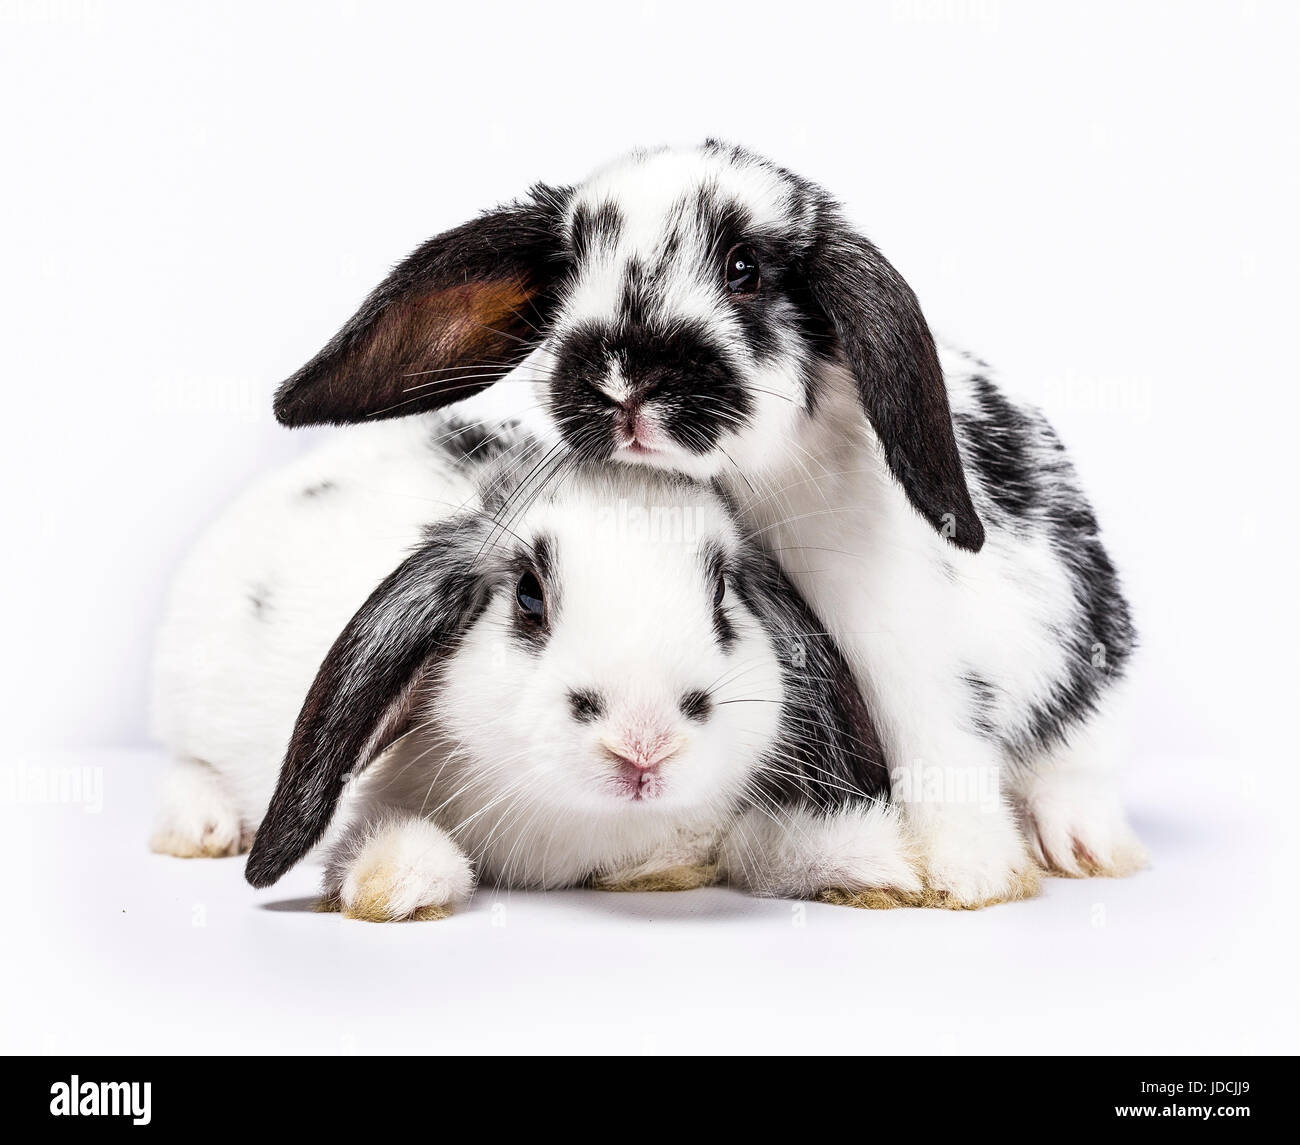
449,320
833,750
361,699
890,351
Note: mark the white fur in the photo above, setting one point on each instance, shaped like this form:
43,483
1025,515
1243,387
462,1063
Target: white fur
230,676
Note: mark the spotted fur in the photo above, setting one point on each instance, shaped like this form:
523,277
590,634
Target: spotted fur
931,520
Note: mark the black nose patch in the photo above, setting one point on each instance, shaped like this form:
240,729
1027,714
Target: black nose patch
586,705
679,374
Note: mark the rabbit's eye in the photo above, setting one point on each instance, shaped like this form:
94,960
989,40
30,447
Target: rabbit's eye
742,270
720,590
528,592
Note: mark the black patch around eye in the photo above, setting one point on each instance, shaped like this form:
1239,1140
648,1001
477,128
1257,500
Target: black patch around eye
696,706
535,596
530,598
741,272
723,630
586,705
715,566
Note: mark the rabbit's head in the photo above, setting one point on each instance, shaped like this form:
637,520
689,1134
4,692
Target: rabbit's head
680,309
612,641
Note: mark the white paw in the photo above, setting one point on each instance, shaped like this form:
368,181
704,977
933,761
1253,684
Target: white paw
859,856
403,868
974,858
1076,826
197,819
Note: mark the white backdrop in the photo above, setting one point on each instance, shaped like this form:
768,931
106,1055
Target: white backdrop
1100,199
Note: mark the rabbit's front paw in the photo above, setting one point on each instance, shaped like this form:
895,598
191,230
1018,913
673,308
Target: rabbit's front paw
197,819
974,860
398,869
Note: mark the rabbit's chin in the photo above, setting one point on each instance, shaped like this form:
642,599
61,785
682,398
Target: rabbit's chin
636,797
671,458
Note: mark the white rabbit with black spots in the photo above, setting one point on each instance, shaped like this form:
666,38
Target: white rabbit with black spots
476,674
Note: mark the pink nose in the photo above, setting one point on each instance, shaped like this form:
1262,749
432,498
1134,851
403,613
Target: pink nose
643,751
633,427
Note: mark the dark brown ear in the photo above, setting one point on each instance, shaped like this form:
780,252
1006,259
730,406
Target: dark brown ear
361,699
890,351
449,321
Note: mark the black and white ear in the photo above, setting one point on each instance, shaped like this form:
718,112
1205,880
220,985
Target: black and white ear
361,699
890,351
829,752
448,321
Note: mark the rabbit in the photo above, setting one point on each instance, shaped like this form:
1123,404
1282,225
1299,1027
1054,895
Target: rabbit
474,675
704,311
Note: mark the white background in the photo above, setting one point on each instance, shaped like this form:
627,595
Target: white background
1100,199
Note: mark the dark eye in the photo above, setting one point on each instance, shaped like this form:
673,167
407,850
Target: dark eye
528,592
742,270
720,590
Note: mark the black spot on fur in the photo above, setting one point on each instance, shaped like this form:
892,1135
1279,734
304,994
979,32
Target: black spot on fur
696,706
1100,641
586,705
467,443
259,598
983,703
723,218
1022,479
676,372
637,296
997,443
319,489
594,227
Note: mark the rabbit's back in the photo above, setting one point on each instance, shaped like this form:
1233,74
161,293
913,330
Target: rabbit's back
262,594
